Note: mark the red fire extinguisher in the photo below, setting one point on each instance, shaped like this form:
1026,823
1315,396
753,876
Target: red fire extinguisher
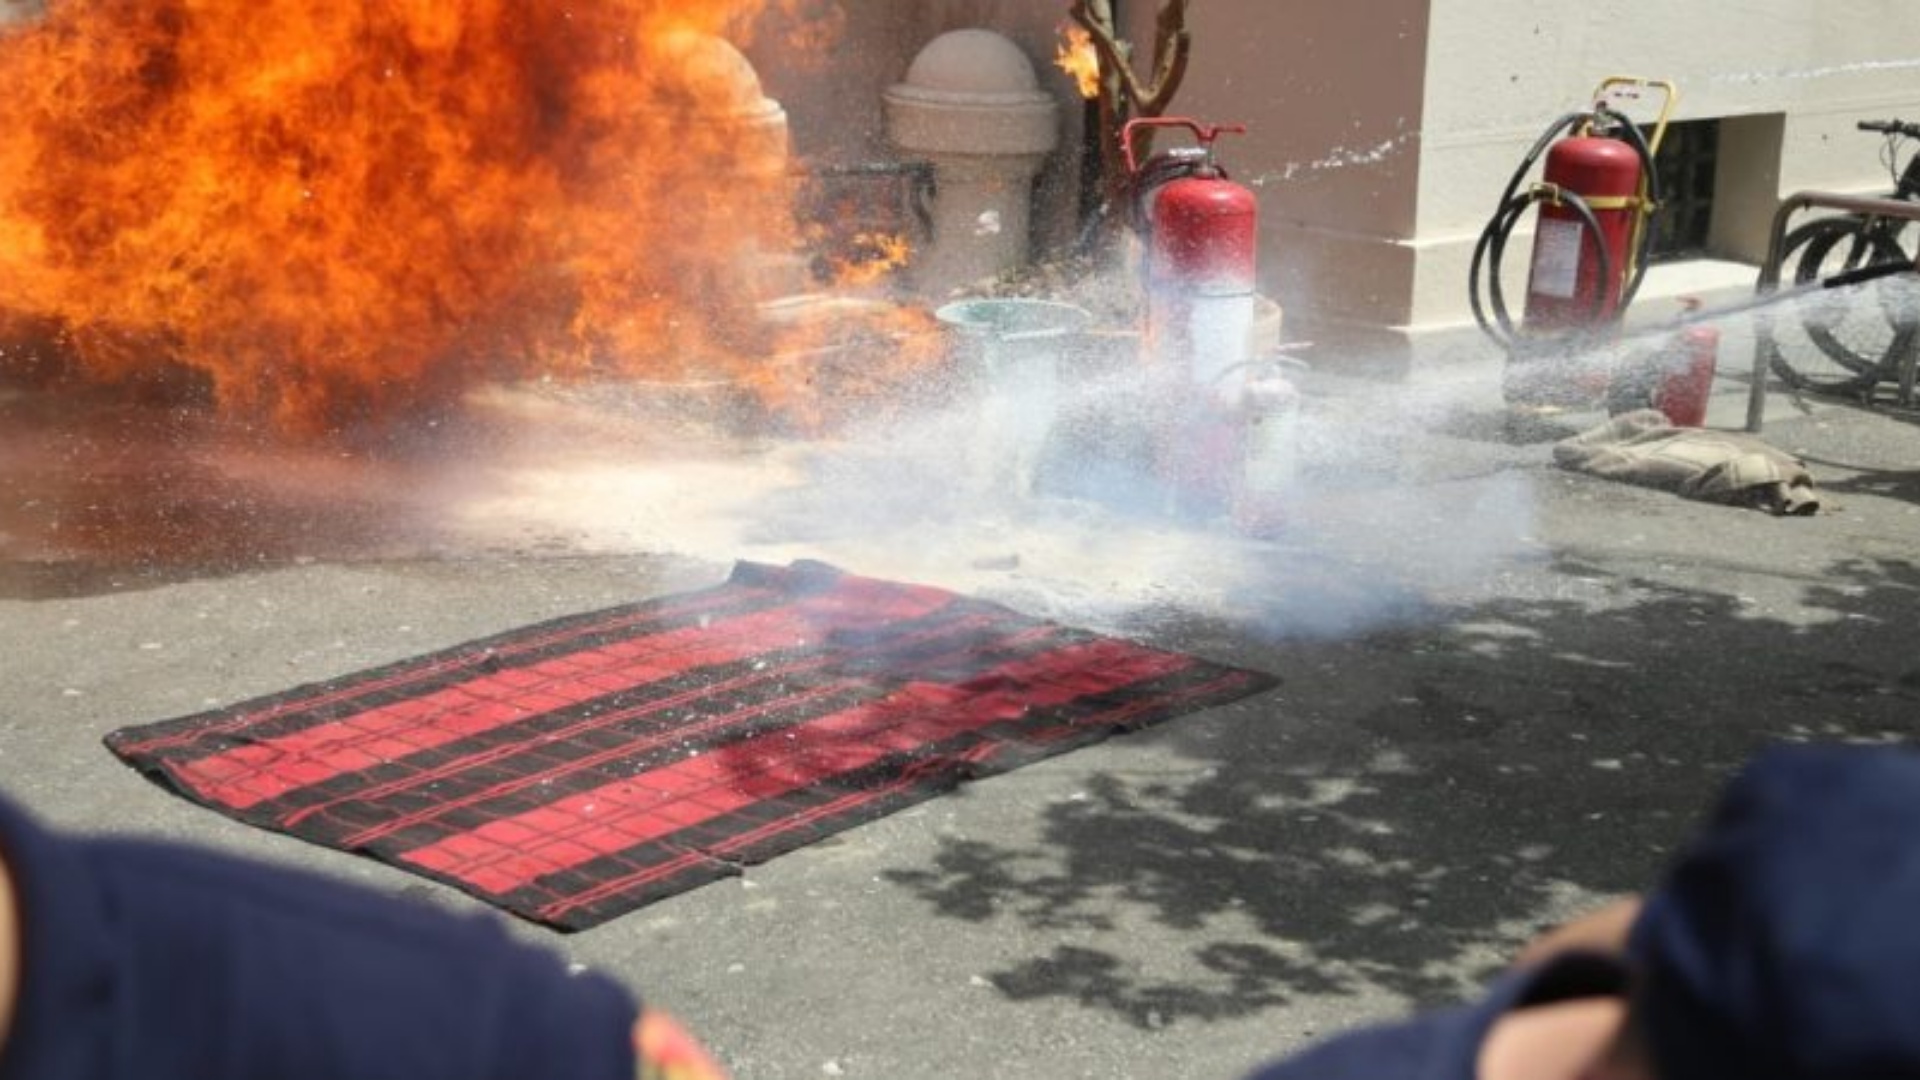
1597,193
1687,381
1676,377
1199,233
1584,243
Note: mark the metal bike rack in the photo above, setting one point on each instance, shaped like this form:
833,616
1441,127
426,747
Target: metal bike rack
1770,270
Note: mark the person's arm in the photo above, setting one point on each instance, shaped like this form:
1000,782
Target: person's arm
199,951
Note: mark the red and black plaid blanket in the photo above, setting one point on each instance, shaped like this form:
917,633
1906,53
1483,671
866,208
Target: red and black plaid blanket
580,768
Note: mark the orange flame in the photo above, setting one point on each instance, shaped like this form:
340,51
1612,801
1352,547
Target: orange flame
844,360
1077,57
874,256
333,210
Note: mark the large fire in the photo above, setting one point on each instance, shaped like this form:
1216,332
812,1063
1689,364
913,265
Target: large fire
327,211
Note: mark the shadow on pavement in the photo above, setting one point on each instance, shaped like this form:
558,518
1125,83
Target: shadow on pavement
1900,484
1410,805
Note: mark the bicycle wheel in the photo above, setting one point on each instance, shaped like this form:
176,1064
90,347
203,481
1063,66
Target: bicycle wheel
1844,340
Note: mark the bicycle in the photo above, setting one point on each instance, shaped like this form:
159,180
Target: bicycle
1852,347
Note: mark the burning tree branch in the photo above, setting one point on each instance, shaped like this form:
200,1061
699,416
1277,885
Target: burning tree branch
1122,94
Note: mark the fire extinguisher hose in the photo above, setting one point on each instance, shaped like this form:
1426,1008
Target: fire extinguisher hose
1652,196
1492,313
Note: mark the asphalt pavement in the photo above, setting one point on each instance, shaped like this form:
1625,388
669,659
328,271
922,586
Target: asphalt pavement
1507,691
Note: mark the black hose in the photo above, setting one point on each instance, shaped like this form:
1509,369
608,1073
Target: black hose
1493,246
1493,239
1161,169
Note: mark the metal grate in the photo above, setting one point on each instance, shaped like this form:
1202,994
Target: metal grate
1689,155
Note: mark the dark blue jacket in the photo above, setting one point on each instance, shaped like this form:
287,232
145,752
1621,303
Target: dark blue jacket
151,961
1444,1044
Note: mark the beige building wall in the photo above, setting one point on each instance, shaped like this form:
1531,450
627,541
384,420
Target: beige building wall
1383,131
1786,79
1386,136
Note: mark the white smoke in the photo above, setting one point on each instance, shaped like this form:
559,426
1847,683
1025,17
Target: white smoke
1394,511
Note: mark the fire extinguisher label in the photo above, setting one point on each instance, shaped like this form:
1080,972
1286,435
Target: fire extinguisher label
1556,258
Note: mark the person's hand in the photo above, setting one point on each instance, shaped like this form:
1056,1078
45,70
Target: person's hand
666,1052
9,952
1602,930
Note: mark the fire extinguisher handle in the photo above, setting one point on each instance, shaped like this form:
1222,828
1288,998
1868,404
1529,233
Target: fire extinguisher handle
1204,134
